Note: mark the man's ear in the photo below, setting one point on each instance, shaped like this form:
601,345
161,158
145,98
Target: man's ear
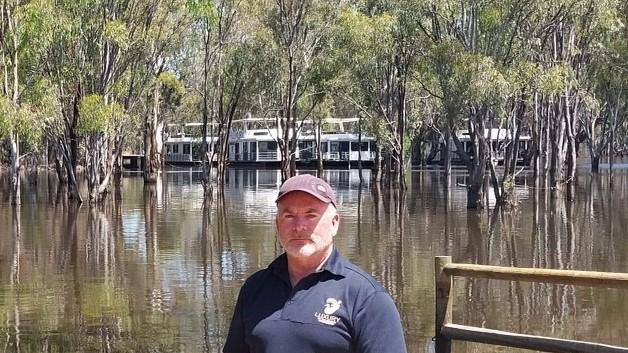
335,221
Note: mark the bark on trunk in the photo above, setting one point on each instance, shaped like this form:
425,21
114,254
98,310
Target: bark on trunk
447,158
595,163
377,165
73,192
152,141
319,151
475,190
361,177
14,149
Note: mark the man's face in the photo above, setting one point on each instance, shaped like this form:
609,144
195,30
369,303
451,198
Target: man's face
306,225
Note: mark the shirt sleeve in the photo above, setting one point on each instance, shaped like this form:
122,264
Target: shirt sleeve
378,326
236,337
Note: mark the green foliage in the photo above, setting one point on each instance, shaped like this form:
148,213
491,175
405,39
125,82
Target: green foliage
117,32
190,109
491,18
205,9
23,120
29,125
36,27
96,116
7,111
171,87
554,79
487,85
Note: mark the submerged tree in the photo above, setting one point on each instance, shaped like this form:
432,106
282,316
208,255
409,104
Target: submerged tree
100,126
299,28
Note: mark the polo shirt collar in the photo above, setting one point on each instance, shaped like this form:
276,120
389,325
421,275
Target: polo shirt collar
335,265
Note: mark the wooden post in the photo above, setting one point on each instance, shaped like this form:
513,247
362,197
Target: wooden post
443,286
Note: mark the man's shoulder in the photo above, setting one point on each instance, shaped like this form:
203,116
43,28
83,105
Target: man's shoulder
259,275
257,279
360,278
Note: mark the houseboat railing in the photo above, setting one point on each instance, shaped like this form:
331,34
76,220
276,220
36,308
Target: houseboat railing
446,331
267,156
331,156
178,157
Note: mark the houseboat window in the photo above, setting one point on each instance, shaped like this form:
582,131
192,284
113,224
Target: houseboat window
196,151
306,149
267,146
175,148
344,146
167,149
324,147
260,133
373,146
354,146
186,148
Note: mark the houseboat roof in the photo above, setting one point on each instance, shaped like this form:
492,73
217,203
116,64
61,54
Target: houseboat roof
493,134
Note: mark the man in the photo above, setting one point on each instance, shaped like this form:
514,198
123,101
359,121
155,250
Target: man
311,299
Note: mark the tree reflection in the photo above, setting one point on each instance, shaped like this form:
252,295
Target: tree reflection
14,282
153,295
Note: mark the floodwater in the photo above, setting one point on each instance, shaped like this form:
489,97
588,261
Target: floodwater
153,272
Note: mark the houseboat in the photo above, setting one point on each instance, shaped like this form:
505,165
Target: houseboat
253,141
499,139
182,143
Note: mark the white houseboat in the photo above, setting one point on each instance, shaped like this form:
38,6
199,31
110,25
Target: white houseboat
499,139
254,141
183,143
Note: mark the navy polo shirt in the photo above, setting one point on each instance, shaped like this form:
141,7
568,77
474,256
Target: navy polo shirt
339,309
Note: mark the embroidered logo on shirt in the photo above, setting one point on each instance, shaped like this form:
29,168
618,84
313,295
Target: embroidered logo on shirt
331,306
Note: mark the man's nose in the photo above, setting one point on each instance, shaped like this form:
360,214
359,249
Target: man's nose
300,223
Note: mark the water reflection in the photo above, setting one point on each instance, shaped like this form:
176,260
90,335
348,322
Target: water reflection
158,269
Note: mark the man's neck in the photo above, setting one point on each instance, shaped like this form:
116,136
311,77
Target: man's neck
301,267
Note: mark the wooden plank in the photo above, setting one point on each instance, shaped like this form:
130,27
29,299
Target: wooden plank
582,278
509,339
443,286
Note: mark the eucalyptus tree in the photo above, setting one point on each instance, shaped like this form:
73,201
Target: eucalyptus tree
515,65
603,104
97,49
25,28
234,48
299,29
364,45
206,21
383,47
568,38
99,120
160,41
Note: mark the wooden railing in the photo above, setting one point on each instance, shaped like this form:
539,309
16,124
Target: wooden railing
446,331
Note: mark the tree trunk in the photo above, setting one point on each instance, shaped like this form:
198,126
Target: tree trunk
377,165
595,163
447,157
14,149
93,161
475,190
571,112
361,177
73,191
152,150
319,150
